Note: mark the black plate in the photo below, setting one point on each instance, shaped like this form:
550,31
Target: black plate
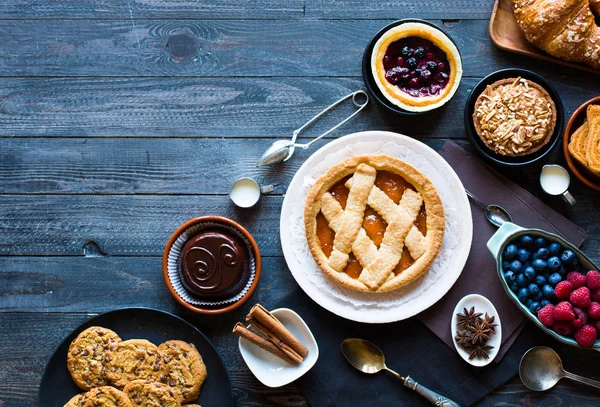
482,148
367,72
57,387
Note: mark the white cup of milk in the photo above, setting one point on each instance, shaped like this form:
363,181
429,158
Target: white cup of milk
555,181
245,192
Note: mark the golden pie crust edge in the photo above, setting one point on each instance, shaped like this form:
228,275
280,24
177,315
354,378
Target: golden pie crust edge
393,93
433,205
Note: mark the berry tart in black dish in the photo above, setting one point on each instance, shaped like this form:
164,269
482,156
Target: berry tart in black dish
412,67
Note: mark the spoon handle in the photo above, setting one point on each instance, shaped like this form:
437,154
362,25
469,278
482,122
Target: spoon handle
431,396
583,380
473,197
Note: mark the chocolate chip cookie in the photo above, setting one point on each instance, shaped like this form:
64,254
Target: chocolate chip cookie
105,396
182,368
75,401
145,393
86,355
130,360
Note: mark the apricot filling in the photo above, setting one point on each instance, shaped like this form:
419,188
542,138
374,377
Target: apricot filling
393,186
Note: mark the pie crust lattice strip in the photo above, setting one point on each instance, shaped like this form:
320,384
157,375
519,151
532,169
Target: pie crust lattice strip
379,264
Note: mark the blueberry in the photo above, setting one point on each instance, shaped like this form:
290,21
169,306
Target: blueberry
548,291
555,249
567,257
526,241
529,273
539,265
523,255
509,276
521,280
543,253
514,287
533,289
528,302
538,296
523,294
516,266
535,307
546,302
406,51
554,279
431,65
575,264
510,253
540,280
505,265
553,264
539,242
420,52
412,62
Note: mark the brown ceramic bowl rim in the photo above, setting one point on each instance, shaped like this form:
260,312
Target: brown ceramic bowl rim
214,219
573,166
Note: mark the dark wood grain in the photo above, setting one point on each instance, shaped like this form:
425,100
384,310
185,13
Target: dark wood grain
60,284
386,9
220,107
218,47
246,9
135,9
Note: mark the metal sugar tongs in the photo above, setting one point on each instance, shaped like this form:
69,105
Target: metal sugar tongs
282,150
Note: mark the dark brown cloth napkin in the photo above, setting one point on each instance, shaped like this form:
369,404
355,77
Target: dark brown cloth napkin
479,275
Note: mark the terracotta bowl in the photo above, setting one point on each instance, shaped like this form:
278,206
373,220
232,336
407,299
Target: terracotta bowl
226,222
573,124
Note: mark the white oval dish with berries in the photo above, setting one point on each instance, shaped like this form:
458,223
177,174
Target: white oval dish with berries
551,281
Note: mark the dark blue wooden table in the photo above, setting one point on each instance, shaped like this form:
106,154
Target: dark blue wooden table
120,120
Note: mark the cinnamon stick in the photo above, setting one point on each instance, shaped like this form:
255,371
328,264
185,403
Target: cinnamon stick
272,324
240,330
285,348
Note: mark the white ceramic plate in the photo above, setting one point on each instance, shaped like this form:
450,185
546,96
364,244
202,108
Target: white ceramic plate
407,301
482,305
269,369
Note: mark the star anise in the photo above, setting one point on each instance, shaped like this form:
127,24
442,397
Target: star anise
463,339
481,332
480,352
466,319
489,321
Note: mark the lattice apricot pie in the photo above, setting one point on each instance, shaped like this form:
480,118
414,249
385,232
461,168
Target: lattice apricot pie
374,223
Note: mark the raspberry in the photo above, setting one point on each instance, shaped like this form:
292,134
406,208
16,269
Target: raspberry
594,310
563,328
581,317
580,297
563,290
577,279
586,336
546,315
593,280
596,295
564,311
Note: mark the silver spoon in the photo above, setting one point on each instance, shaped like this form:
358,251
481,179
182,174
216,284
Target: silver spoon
368,358
282,150
541,368
496,214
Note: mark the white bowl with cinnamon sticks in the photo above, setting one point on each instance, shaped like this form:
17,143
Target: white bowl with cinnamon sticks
277,345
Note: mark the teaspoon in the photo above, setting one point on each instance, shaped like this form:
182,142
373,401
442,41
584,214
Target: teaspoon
496,214
368,358
541,368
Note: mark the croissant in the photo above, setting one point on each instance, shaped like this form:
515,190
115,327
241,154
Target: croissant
566,29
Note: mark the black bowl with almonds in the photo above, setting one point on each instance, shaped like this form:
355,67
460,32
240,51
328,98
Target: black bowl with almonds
514,117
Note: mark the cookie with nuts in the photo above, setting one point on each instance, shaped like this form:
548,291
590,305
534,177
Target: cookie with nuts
130,360
86,356
146,393
182,368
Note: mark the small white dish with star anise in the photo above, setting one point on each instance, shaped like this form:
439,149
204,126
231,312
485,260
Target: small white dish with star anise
476,330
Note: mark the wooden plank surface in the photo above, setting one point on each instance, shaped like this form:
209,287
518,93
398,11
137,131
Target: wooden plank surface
220,107
243,9
244,48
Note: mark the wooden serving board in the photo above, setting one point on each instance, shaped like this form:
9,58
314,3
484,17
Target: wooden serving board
507,35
